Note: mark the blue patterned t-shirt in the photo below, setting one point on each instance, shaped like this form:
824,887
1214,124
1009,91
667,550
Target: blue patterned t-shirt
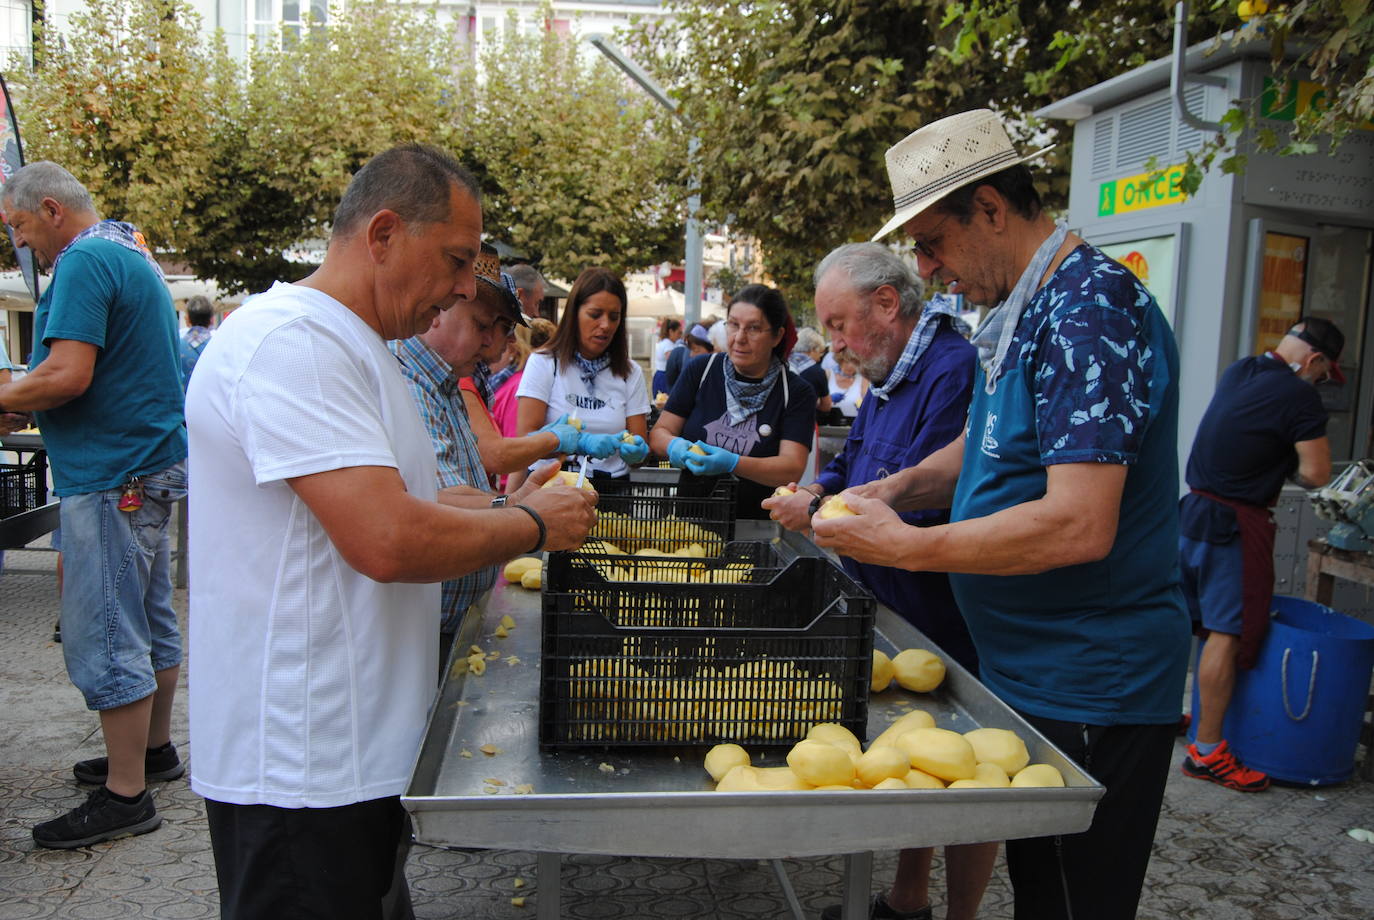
1091,377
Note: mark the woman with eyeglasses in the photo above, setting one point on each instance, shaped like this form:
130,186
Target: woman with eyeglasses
743,408
585,371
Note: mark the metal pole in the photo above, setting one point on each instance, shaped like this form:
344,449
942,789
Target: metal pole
692,281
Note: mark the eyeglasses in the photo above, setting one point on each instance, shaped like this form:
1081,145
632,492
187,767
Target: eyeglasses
749,332
925,247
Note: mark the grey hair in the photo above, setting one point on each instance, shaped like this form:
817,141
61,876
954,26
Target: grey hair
27,188
526,277
808,340
869,266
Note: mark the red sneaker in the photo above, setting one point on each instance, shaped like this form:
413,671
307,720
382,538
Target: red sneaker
1222,768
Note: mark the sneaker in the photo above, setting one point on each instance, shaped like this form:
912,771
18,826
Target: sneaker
158,764
1222,768
879,909
98,818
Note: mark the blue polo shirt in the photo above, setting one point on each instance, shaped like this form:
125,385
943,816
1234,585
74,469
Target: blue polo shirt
129,422
925,412
1091,377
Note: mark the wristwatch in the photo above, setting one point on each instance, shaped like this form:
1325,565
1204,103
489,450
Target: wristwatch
500,501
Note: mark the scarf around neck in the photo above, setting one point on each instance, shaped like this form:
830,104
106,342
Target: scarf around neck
116,231
589,369
744,398
920,339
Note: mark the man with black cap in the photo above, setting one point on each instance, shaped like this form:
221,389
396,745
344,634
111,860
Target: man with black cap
1266,424
432,363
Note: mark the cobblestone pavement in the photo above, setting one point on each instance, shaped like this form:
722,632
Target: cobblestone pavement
1281,855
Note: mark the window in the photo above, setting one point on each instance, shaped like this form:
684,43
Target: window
16,30
287,15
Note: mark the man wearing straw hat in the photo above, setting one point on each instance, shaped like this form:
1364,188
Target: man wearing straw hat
1063,537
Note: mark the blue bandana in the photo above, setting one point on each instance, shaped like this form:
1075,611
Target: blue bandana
588,370
921,337
116,231
744,398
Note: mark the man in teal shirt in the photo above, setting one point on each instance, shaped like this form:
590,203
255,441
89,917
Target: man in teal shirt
105,388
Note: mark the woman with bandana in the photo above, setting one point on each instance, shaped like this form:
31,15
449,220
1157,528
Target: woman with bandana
749,414
586,372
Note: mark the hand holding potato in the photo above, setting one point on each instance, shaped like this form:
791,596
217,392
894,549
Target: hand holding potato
791,510
569,514
873,533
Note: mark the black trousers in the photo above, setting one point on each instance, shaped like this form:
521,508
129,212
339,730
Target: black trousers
1098,874
343,863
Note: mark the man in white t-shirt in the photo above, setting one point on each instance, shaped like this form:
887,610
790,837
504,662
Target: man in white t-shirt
317,545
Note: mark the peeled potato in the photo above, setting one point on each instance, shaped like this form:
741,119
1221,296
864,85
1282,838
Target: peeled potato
516,568
780,778
939,752
568,478
722,758
839,736
575,422
533,579
834,787
1038,774
917,718
882,671
880,763
991,775
919,779
999,746
891,783
820,764
783,492
918,670
696,449
834,508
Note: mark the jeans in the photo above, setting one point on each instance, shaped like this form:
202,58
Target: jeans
118,626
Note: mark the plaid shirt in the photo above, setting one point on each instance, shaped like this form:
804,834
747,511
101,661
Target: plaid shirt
436,395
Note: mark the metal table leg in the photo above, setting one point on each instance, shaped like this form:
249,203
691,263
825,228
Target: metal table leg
858,885
549,874
788,892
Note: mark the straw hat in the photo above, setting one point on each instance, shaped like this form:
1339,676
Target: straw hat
496,287
933,161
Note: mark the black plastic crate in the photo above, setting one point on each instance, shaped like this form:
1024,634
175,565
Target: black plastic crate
23,487
656,509
645,663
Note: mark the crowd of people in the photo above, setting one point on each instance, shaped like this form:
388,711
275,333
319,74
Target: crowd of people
367,445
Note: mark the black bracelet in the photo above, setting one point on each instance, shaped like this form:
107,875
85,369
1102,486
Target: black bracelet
814,506
539,522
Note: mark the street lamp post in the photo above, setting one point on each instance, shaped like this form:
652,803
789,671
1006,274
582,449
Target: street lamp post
692,261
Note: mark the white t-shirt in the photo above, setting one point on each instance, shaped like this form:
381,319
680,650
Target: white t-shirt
603,413
309,682
661,350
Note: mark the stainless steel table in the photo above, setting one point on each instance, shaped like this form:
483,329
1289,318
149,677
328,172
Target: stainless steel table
662,803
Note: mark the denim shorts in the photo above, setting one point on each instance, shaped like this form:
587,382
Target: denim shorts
118,625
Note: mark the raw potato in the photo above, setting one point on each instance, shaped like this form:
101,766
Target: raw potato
891,783
939,752
835,787
991,775
516,568
820,764
1038,774
575,421
883,671
783,492
919,779
918,670
744,778
835,734
508,621
533,579
568,478
722,758
917,718
881,763
696,449
999,746
835,508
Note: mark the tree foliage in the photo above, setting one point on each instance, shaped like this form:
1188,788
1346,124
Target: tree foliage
580,166
228,166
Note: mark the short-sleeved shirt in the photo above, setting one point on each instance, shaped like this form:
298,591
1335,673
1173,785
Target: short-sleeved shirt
1244,446
445,415
129,422
788,414
1091,377
603,407
924,412
311,681
814,375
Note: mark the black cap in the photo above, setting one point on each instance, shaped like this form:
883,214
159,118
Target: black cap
1322,335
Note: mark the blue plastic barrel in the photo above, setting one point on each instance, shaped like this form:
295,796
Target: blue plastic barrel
1297,713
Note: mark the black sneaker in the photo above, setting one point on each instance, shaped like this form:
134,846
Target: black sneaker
879,909
98,818
158,764
57,631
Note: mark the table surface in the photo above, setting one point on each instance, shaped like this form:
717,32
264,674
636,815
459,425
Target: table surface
661,802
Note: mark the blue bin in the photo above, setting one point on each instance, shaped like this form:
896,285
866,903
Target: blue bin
1297,713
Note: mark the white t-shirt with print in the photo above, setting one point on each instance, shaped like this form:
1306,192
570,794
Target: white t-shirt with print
309,682
602,412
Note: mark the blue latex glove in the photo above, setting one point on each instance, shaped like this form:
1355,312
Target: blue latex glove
717,462
567,434
633,450
678,452
599,446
